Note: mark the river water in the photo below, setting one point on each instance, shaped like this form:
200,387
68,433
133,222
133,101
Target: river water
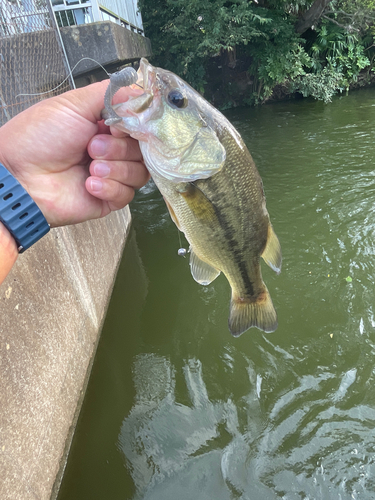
176,408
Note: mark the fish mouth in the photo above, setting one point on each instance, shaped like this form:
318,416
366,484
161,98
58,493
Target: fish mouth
148,103
146,75
131,115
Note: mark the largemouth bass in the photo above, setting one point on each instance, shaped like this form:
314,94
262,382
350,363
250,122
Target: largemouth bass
210,184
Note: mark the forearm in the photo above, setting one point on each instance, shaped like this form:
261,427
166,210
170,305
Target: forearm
8,252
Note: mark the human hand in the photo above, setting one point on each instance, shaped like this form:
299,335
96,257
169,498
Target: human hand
64,156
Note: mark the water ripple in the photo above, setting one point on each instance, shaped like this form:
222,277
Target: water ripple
308,445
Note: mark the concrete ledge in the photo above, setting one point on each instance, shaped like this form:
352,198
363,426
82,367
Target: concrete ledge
106,42
52,307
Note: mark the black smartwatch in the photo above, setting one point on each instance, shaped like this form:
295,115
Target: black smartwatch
19,213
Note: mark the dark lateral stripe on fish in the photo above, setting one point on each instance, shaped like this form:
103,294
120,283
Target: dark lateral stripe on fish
234,248
244,273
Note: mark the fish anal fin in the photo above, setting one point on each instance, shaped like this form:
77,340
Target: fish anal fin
250,312
172,214
272,252
202,272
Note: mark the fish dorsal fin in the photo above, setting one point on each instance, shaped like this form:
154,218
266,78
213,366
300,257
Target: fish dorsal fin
202,272
272,252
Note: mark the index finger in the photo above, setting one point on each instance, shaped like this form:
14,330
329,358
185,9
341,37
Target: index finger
89,101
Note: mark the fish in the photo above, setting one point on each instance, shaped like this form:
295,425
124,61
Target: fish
210,184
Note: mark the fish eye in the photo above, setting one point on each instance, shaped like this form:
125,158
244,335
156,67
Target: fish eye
177,99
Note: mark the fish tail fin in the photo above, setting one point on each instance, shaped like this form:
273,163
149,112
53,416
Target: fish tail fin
272,252
255,311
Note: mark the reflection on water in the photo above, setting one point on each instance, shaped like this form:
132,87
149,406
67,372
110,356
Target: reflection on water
190,412
312,442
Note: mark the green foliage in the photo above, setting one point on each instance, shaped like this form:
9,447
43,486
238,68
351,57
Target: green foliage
260,38
339,50
277,57
321,86
355,16
186,33
336,59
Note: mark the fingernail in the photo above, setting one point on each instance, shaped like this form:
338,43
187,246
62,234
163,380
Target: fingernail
99,147
96,185
101,169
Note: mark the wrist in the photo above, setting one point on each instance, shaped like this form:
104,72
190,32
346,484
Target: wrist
8,252
5,140
19,213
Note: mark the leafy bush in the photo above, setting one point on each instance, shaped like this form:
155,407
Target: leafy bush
339,50
276,65
321,86
336,59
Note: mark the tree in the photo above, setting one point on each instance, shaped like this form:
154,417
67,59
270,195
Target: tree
311,16
237,51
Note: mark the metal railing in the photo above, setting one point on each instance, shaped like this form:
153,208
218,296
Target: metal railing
23,16
33,64
75,12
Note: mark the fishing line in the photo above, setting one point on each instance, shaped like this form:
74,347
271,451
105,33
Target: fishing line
181,251
70,74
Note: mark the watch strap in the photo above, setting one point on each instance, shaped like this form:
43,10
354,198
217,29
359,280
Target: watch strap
19,213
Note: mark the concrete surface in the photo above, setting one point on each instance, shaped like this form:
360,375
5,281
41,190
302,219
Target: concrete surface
52,306
106,42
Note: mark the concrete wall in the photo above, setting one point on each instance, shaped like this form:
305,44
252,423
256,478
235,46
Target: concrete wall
106,43
52,306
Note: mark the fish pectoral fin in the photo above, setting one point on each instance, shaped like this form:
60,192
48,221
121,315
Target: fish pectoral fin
272,252
202,272
199,204
252,312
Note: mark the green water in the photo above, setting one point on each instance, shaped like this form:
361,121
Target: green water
178,409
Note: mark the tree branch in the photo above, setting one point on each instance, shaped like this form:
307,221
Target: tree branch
311,16
338,12
347,28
